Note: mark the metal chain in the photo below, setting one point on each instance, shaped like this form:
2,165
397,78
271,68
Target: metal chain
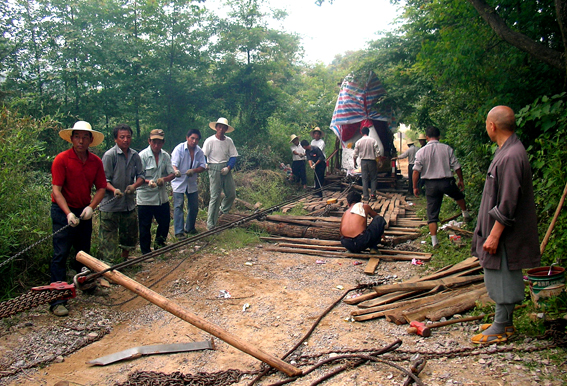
30,300
153,378
45,238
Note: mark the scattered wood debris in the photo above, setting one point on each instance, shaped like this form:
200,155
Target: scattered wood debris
450,290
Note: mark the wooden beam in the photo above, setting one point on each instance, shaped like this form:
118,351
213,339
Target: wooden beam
342,254
428,284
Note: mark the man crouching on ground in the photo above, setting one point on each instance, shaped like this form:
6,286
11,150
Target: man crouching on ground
356,236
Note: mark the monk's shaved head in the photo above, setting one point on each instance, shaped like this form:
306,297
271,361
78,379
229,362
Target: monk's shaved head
503,118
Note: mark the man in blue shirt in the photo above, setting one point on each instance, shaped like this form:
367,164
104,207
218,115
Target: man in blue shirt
188,161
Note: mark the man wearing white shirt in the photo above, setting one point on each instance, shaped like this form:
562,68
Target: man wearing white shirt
298,161
221,158
188,161
317,140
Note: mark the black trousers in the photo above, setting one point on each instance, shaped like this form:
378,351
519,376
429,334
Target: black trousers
320,177
146,213
367,239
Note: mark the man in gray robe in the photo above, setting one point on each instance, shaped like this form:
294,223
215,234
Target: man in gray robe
505,239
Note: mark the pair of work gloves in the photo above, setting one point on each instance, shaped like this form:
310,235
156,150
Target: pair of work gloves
130,189
86,214
188,173
154,184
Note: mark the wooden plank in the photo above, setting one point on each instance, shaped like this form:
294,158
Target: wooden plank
422,299
428,284
361,298
461,302
371,266
302,241
341,254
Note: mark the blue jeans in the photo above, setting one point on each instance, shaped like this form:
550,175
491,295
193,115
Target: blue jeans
178,209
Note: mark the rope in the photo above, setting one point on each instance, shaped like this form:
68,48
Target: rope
47,237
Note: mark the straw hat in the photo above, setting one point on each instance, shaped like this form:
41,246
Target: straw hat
410,142
224,121
293,136
98,137
317,129
422,136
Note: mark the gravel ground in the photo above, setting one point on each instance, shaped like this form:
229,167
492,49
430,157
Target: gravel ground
275,299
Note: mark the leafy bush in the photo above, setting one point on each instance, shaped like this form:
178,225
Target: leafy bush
543,125
24,201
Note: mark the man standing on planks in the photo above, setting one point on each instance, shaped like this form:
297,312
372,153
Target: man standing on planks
505,239
367,149
356,236
436,163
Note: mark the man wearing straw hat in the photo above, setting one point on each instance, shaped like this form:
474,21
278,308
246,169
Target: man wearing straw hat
298,161
221,158
317,140
410,155
74,173
505,239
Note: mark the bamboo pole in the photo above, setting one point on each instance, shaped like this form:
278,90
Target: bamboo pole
193,319
552,225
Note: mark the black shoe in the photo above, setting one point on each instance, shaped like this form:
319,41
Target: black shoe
192,232
180,236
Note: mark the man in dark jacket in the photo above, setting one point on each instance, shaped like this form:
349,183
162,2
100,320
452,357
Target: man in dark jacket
317,162
505,239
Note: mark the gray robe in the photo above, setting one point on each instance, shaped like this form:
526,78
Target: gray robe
508,197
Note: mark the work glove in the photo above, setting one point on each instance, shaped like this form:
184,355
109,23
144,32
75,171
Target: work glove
72,220
177,173
152,184
160,182
118,193
130,189
87,213
224,171
190,172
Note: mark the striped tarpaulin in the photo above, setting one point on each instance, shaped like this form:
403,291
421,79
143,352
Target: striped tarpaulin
355,102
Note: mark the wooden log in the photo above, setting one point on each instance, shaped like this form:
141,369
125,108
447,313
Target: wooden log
428,284
459,231
361,298
447,307
424,299
402,239
340,254
333,243
284,229
397,315
371,266
247,205
197,321
464,266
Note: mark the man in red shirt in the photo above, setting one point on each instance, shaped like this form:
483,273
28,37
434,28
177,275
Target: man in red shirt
74,172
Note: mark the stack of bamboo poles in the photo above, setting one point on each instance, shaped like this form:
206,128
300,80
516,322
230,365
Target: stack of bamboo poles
451,290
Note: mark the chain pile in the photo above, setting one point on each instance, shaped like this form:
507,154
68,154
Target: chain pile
30,300
153,378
